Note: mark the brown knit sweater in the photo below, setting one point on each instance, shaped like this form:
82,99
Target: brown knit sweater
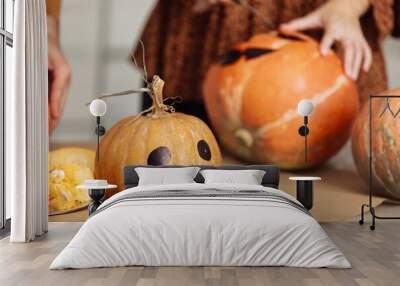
181,44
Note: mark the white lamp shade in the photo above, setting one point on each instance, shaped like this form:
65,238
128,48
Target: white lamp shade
98,107
305,107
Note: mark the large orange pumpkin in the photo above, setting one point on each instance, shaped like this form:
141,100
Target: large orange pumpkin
159,138
252,95
385,145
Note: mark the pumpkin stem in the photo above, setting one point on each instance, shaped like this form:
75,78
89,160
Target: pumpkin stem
154,90
157,86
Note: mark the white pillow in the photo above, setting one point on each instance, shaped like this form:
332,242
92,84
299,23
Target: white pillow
248,177
162,176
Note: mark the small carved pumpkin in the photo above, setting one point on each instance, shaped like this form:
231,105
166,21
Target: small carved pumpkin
385,144
158,138
251,98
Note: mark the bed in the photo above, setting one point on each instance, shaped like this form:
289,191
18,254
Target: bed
201,224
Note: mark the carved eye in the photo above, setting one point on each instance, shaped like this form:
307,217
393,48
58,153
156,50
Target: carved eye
234,55
204,150
256,52
231,57
159,156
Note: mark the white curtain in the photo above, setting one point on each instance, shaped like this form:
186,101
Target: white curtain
27,123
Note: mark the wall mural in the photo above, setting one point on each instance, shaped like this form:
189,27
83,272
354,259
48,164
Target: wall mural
233,85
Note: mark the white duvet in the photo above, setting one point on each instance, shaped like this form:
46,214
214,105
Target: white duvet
188,231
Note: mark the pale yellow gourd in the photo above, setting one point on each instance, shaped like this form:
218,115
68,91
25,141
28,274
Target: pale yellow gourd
68,168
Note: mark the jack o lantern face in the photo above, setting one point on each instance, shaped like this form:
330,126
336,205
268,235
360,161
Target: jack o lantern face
204,150
251,97
234,55
159,156
162,155
249,53
158,138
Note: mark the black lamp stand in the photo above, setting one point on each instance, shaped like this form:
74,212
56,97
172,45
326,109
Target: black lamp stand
96,195
304,131
370,183
305,193
100,131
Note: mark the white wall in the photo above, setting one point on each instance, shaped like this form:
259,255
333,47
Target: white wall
97,36
392,55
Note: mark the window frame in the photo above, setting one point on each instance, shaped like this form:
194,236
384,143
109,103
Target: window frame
6,39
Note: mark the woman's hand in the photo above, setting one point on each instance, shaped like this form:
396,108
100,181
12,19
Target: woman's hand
340,20
59,74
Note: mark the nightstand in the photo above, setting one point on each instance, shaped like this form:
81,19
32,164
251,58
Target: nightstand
304,190
97,190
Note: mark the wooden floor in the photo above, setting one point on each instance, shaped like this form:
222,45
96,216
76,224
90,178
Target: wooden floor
375,257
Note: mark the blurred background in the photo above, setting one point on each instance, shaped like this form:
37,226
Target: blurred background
97,37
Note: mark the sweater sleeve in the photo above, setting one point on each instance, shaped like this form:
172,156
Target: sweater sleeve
383,13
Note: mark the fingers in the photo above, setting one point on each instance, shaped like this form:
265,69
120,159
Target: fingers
357,56
52,125
326,43
55,95
348,58
357,53
61,78
310,21
341,27
367,56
